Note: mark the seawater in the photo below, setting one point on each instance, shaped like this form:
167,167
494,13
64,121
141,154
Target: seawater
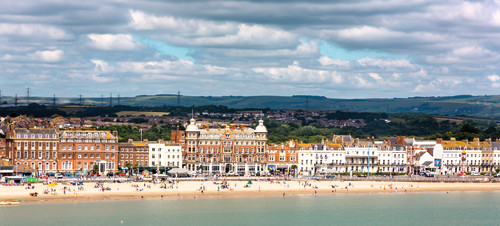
454,208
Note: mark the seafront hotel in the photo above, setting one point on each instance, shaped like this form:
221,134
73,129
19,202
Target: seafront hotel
243,151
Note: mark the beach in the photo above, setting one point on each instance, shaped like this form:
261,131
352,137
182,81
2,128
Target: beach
214,189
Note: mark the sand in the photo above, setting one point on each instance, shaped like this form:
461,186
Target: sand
191,190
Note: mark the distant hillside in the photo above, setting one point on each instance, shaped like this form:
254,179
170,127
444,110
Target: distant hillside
472,106
464,105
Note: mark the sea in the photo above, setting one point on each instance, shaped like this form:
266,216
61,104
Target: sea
439,208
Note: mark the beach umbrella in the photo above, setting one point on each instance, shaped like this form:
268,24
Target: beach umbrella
249,182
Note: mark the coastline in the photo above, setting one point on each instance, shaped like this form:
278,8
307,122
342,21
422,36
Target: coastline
190,190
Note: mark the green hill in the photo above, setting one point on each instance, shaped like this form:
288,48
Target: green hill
464,105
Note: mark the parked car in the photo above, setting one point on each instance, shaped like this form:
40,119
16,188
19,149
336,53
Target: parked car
475,174
58,176
497,175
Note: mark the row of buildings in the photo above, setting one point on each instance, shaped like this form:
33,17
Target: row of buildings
241,150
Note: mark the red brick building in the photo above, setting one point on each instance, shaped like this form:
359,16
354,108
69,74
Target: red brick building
135,153
34,147
82,149
3,150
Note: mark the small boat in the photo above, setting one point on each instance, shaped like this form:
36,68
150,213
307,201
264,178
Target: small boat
11,203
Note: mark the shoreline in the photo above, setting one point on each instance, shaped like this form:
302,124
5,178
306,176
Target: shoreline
190,190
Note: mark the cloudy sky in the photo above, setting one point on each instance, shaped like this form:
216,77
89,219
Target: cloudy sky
346,49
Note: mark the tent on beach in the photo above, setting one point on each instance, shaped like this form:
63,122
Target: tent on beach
178,172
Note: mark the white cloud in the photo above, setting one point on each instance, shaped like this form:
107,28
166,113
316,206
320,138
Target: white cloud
475,55
50,56
437,85
100,78
101,66
386,63
304,50
375,76
143,21
113,42
326,61
33,30
194,32
493,78
296,74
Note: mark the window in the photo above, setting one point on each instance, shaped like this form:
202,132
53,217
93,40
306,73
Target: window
271,158
39,154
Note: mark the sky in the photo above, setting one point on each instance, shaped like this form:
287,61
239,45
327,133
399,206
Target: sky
338,49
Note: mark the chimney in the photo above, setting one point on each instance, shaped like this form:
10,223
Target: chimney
130,141
218,127
115,133
453,140
439,141
488,140
476,140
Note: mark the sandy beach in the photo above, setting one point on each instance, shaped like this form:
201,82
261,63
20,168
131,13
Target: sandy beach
211,189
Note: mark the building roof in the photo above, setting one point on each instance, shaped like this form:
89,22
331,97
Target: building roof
261,128
35,131
192,127
87,134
